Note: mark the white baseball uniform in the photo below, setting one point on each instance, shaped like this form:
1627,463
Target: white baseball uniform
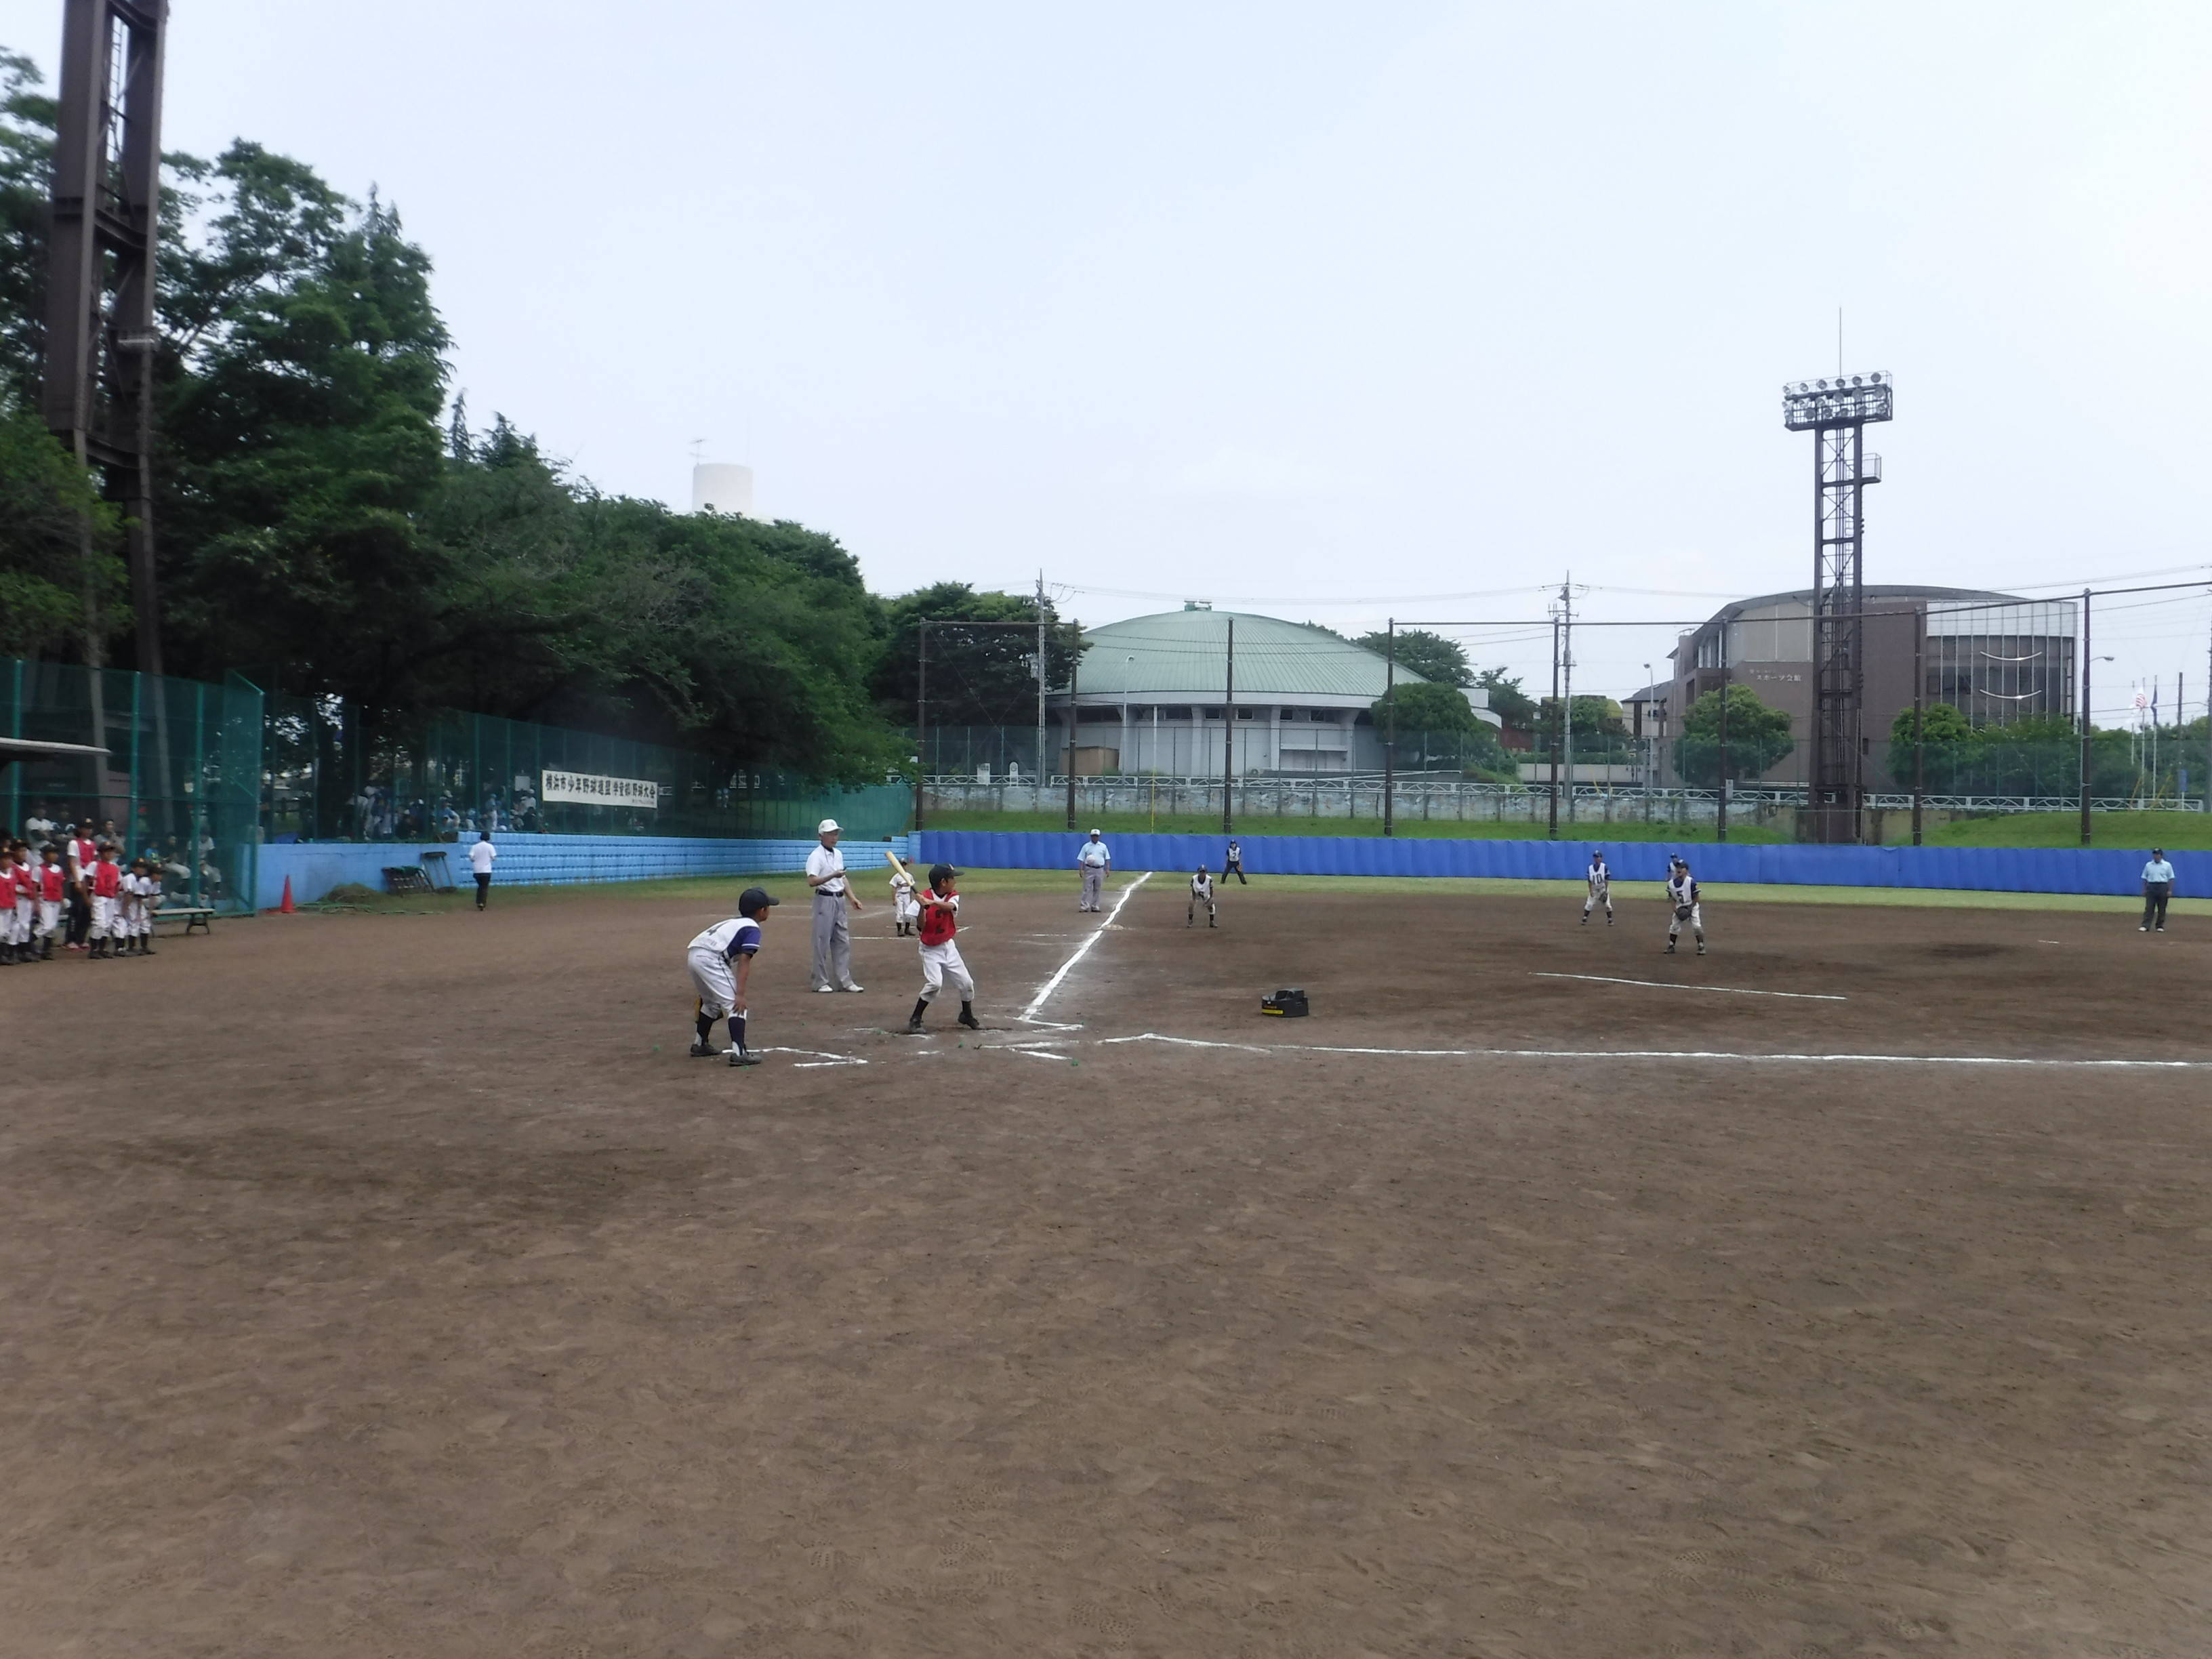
1599,880
709,957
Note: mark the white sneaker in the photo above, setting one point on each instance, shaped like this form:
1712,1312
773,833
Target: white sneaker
852,987
825,990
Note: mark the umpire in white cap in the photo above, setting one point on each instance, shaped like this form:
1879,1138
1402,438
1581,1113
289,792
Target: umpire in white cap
833,938
1095,862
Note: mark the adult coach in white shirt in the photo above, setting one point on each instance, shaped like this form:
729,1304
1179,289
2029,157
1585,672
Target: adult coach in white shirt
480,861
833,937
1096,862
2157,887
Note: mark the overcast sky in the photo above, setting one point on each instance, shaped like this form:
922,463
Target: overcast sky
1319,308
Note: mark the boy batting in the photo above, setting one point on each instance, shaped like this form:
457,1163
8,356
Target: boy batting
940,957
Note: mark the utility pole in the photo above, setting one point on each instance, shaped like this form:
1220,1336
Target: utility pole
1719,812
920,718
1036,783
2085,717
1555,727
1229,739
1074,671
1567,663
1390,732
1919,701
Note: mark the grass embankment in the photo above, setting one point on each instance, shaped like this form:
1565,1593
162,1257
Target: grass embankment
2174,831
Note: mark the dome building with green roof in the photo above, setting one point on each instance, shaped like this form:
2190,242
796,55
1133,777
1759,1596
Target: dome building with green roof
1152,696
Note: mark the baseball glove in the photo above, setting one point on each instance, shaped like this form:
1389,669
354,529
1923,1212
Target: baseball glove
1681,913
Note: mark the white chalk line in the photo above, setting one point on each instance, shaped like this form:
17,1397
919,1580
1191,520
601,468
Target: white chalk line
1722,990
821,1057
1045,990
1678,1054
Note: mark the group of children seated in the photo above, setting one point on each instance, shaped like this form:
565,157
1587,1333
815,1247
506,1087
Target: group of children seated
79,891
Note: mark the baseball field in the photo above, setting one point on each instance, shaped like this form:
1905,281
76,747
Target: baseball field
393,1283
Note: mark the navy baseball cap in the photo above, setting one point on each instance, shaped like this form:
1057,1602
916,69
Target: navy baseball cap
754,899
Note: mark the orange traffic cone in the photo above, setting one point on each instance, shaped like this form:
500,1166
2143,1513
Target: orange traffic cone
284,908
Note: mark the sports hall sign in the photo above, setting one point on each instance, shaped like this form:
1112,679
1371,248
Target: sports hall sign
599,792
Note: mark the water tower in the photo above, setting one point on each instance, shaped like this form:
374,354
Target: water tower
720,487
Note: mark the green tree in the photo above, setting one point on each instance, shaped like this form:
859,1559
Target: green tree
1758,737
1435,726
1431,656
977,676
1513,706
57,542
26,152
1946,739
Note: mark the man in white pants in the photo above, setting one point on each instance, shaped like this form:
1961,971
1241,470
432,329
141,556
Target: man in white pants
833,937
1096,862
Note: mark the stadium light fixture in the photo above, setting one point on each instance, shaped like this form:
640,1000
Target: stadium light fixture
1845,400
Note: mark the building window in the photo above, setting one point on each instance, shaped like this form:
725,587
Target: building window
1180,712
1247,714
1212,713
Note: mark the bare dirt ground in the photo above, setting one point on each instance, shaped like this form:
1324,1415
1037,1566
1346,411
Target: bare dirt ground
396,1285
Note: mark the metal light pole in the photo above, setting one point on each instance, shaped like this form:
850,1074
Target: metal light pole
1229,739
1836,413
2085,717
1919,701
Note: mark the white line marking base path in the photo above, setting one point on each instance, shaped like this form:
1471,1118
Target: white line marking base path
1045,990
1670,985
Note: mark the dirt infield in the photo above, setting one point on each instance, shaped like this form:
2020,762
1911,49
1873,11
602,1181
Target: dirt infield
386,1285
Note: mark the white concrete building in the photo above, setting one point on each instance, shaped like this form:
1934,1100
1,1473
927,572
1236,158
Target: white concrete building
1152,697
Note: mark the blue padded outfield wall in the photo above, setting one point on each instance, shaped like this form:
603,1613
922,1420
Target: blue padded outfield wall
315,867
1977,869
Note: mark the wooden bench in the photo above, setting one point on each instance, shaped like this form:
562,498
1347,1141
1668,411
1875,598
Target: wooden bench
196,917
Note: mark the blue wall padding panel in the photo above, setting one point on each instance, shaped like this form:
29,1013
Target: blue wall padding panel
1976,869
315,867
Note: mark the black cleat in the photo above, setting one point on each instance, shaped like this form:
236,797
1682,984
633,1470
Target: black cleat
704,1050
743,1057
1670,948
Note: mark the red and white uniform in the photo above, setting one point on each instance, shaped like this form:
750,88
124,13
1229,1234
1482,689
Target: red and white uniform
53,888
940,957
22,897
107,890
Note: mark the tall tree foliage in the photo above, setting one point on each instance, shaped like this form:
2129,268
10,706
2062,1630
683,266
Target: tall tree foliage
326,522
977,676
1431,656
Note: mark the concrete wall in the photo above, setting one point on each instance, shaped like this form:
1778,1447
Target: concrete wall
315,867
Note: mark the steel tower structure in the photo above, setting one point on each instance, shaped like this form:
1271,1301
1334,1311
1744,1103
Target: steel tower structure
97,397
1837,412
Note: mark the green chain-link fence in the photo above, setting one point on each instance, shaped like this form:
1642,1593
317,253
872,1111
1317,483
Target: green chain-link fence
180,784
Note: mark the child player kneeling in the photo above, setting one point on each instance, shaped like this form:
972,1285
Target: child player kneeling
722,991
940,957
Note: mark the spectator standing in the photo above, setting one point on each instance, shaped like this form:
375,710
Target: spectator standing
2158,888
833,936
481,857
1094,861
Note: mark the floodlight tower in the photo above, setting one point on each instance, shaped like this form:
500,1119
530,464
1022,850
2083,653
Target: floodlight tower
98,395
1836,413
